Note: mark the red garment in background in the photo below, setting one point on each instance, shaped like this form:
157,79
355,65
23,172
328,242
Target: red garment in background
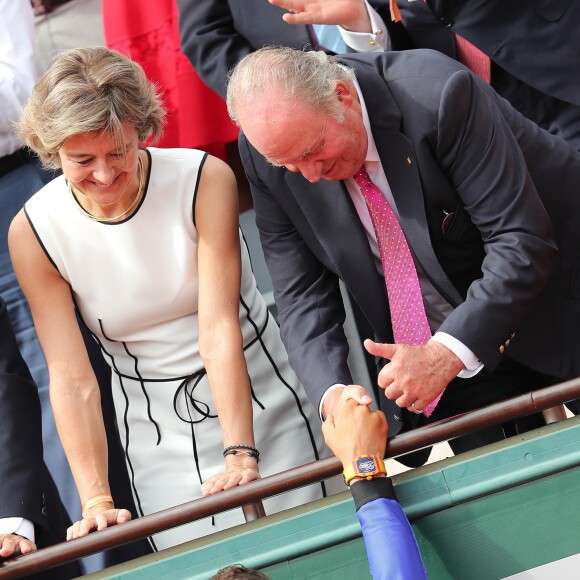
148,32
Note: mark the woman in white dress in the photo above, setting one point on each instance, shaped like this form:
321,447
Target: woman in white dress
145,243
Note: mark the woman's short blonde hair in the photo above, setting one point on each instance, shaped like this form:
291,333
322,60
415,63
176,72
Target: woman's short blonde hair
86,90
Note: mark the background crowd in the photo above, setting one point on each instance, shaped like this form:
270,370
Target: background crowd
511,183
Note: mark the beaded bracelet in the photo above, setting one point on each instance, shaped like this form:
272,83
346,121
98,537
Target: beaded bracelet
95,501
243,450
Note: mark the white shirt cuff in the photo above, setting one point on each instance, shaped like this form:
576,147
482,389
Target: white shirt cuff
375,41
20,526
331,388
471,363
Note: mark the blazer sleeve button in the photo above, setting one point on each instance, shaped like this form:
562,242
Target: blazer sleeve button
501,349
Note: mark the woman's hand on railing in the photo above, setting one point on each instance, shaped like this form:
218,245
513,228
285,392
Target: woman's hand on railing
240,469
97,518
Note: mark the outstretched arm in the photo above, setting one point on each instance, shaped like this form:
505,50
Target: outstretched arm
220,335
350,14
74,391
389,540
361,27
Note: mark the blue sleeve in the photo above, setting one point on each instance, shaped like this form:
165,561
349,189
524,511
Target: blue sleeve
391,546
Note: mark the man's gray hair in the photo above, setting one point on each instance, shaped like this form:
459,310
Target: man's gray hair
305,76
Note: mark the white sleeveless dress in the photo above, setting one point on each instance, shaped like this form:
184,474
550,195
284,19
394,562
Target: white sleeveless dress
135,284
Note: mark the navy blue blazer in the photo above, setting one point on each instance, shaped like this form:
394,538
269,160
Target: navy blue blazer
448,144
533,47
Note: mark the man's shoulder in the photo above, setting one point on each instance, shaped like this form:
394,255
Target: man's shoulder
395,65
417,81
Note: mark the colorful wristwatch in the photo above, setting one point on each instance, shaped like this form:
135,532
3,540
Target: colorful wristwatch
364,467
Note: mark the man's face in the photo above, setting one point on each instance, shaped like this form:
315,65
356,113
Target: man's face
303,140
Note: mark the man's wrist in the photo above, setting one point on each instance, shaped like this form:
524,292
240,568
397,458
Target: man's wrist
366,39
362,22
467,357
329,399
356,479
365,466
18,526
365,491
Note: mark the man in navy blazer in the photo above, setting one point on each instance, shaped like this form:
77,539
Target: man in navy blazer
532,45
483,195
216,35
26,487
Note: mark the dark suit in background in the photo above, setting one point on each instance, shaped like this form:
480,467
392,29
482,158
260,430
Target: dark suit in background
533,47
26,487
447,144
216,35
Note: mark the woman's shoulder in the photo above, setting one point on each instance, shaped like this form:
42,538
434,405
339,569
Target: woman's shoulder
180,163
176,154
49,195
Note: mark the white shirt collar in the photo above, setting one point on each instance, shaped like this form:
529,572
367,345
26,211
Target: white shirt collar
372,153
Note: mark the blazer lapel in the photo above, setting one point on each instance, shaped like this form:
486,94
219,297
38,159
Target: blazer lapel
399,162
328,209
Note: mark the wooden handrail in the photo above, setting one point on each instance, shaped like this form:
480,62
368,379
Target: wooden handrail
286,481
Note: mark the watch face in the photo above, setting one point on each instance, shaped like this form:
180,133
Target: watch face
366,465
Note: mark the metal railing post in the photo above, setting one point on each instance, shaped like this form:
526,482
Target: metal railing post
253,511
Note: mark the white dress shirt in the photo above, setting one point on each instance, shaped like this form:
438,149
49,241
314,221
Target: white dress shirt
20,526
375,41
17,67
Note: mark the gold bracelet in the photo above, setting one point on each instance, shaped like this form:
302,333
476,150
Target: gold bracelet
95,501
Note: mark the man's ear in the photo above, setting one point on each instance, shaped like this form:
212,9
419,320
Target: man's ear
343,92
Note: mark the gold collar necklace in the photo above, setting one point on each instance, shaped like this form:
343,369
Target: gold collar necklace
135,201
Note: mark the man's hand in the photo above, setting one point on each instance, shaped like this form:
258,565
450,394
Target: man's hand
357,431
335,400
416,375
97,518
14,545
350,14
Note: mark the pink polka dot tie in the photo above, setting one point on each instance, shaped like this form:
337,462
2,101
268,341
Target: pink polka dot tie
408,317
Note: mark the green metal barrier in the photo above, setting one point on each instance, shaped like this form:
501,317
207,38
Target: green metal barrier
497,511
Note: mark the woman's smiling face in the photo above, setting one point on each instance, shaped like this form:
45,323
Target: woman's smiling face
100,167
